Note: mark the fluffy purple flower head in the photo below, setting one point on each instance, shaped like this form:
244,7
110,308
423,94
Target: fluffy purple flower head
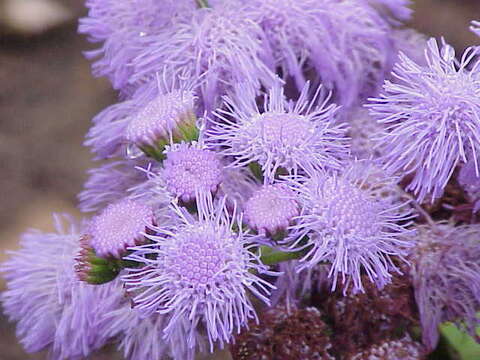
221,45
158,111
346,42
199,273
121,27
350,225
53,309
271,209
432,115
286,135
190,169
446,277
118,226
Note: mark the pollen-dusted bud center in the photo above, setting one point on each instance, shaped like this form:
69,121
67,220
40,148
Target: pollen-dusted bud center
197,259
160,117
271,209
188,169
119,226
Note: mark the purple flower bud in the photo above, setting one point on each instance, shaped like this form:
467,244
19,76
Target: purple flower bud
271,209
199,273
190,169
431,114
446,277
169,115
158,112
349,224
293,136
118,226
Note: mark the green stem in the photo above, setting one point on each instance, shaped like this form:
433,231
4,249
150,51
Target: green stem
202,3
272,257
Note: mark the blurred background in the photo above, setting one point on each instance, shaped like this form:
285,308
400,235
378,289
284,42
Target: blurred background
48,97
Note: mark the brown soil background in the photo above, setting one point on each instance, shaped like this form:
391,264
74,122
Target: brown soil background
47,98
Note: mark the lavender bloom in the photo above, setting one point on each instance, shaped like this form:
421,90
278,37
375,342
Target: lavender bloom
121,26
220,45
190,169
118,226
446,277
293,136
157,112
349,224
110,183
198,273
432,115
271,209
346,42
52,307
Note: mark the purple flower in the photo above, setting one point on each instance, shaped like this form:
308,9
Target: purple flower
159,111
190,169
121,26
52,307
446,278
293,136
346,42
198,273
110,183
220,45
118,226
432,115
271,209
347,221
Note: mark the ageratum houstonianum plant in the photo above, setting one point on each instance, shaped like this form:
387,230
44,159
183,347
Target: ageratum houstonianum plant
249,198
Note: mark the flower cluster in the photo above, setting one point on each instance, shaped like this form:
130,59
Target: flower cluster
254,199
